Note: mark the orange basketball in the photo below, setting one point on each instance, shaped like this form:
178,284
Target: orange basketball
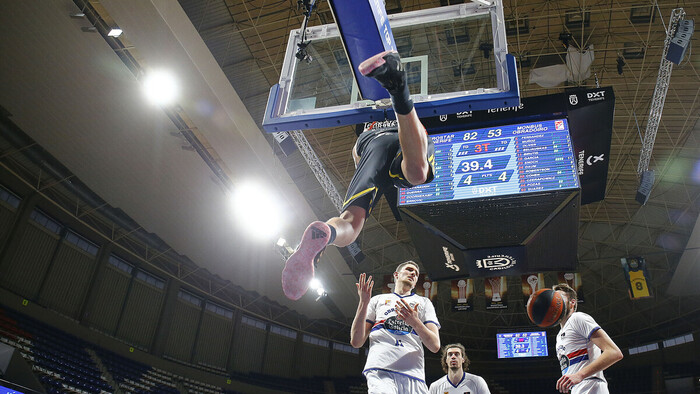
544,308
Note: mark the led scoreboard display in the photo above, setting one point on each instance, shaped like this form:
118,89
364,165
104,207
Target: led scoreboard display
497,161
522,344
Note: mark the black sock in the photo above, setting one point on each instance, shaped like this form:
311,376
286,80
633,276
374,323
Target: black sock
401,101
332,237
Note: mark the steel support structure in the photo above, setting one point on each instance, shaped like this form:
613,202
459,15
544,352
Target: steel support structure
317,167
660,91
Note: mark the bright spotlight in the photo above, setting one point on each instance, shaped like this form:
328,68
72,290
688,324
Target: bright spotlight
281,241
115,32
160,87
315,284
320,291
256,210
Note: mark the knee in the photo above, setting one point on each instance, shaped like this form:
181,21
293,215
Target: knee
417,174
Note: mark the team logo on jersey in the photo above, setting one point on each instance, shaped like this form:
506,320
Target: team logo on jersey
397,326
563,362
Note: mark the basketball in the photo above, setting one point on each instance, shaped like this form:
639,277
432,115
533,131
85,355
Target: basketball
544,308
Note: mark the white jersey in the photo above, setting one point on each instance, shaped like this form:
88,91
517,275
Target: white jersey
470,384
393,344
574,347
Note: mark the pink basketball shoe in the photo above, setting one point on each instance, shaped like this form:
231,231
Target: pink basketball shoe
299,268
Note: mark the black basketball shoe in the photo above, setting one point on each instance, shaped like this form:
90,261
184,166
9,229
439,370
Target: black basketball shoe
387,69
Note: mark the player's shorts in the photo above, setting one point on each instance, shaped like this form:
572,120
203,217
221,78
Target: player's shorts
591,386
385,382
379,168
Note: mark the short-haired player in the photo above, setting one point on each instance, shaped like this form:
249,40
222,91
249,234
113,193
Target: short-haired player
398,325
584,349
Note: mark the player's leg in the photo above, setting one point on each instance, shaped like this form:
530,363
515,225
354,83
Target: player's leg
414,386
381,382
591,386
348,225
344,229
340,231
387,69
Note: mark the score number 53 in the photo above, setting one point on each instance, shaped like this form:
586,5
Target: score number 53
473,135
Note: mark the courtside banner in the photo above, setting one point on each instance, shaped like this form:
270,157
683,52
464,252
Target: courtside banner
462,295
590,114
424,286
573,279
637,276
496,290
530,109
530,283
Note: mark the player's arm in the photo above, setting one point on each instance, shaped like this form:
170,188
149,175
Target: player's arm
611,354
429,332
360,327
483,387
433,388
355,156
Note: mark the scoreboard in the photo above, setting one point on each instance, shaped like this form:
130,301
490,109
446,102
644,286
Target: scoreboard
522,344
498,161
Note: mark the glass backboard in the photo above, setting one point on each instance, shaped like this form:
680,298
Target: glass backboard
455,56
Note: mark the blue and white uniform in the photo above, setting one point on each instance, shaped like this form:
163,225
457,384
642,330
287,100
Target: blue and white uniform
575,350
470,384
394,346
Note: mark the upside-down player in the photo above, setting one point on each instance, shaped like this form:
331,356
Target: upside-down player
384,159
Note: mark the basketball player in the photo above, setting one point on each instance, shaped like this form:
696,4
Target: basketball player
579,345
455,363
384,159
398,325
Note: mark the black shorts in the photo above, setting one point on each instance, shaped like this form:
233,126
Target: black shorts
379,168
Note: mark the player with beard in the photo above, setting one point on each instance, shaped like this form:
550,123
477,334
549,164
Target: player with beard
457,381
583,348
398,325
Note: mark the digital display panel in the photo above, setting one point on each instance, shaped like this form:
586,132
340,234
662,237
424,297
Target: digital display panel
5,390
522,344
498,161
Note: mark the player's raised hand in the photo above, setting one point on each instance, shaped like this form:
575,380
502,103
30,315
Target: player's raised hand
364,287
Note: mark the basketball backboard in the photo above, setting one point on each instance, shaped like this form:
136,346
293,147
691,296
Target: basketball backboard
456,57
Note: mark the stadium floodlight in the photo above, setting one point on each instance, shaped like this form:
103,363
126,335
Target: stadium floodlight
160,87
115,32
256,210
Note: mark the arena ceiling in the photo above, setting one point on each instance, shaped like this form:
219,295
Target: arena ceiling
78,98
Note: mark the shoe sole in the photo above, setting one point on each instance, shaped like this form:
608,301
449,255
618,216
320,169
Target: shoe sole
373,63
299,268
